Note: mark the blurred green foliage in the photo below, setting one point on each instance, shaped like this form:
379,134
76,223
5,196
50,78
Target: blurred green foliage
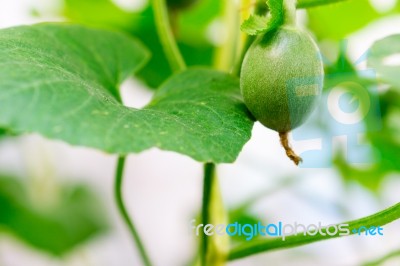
180,4
75,217
386,141
242,216
337,21
385,146
190,26
3,133
384,57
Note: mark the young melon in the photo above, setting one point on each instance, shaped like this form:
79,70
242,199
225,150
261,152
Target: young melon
281,80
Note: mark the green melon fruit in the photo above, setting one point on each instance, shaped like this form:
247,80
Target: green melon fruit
281,78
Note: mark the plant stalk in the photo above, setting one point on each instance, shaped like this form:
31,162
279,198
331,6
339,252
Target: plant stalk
226,53
314,3
378,219
212,251
124,213
209,172
166,36
289,16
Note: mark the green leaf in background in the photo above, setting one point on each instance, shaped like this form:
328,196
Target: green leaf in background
315,3
369,177
193,23
324,21
75,218
190,26
3,133
385,142
242,217
256,24
384,57
99,12
62,81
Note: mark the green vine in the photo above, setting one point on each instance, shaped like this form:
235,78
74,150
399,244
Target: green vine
119,173
165,33
213,250
378,219
209,175
209,252
314,3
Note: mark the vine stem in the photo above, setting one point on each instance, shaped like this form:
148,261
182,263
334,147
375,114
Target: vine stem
209,175
378,219
165,33
314,3
213,250
209,251
119,173
226,53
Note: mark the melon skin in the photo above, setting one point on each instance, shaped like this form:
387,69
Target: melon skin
281,78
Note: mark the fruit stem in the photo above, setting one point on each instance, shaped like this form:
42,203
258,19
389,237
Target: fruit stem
289,151
289,12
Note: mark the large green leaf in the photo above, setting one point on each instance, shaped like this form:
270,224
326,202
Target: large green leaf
61,81
76,217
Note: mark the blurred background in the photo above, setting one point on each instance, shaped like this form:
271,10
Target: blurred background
56,201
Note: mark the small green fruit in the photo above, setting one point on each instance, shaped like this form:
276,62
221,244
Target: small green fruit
281,78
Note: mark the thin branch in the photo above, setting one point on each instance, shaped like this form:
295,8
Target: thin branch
378,219
314,3
209,175
124,213
165,33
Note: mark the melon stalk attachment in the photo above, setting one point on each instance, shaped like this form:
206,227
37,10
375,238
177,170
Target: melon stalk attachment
284,136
